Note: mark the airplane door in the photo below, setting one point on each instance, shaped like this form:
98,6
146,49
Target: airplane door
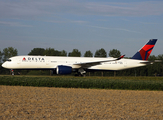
47,62
19,62
125,64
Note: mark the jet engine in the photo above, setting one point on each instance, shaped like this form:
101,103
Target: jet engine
63,70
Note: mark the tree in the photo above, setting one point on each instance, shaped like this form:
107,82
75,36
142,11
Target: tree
75,53
100,53
51,52
0,56
37,51
88,54
160,57
9,52
63,53
114,53
47,52
154,68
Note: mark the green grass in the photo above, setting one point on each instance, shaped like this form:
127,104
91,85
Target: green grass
125,83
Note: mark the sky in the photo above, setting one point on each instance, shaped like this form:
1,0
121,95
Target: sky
81,24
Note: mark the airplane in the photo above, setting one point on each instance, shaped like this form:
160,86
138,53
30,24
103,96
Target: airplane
67,65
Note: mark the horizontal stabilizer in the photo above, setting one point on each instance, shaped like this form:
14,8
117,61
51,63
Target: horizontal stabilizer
150,62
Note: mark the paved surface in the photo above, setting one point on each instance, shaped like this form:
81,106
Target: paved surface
17,102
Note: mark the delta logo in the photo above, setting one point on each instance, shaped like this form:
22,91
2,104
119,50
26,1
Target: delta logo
24,59
33,59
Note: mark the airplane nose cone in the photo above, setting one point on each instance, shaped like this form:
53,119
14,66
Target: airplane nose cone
4,65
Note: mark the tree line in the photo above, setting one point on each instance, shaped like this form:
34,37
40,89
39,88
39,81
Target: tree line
149,70
10,52
75,53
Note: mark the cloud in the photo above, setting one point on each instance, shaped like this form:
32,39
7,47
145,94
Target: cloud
127,9
37,8
119,29
70,21
15,24
22,9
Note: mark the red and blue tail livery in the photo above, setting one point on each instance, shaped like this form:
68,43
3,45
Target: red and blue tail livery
145,51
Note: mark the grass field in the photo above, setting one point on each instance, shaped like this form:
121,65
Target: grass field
125,83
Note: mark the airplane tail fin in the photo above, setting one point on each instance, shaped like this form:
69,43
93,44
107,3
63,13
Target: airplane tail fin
145,51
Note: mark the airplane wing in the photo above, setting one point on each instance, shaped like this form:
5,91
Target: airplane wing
89,64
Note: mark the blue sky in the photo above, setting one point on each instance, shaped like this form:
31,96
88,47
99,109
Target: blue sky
81,24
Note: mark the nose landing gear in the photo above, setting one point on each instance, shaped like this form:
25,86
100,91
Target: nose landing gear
12,72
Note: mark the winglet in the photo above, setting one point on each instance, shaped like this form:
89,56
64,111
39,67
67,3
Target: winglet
120,57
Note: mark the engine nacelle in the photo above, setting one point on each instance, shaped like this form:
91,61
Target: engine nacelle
63,70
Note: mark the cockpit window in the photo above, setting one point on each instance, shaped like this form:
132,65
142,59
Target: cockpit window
9,60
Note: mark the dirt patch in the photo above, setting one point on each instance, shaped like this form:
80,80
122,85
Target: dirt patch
17,102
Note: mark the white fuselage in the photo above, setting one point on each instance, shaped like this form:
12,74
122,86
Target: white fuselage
51,63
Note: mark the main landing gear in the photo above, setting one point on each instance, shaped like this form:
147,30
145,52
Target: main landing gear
81,72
